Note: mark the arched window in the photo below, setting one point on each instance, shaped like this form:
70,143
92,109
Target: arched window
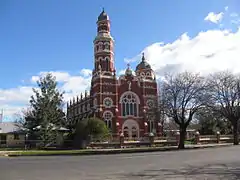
107,63
100,44
130,104
107,45
99,59
88,107
107,116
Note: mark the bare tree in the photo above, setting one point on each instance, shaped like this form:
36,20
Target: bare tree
160,110
20,117
225,98
184,95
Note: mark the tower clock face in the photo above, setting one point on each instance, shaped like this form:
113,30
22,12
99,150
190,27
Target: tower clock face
107,102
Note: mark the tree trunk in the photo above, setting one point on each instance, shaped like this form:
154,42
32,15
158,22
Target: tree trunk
235,132
182,138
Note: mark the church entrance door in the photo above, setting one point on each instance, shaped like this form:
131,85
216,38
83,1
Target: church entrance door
130,129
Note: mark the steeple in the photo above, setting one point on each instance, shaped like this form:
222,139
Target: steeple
103,45
143,57
103,16
143,64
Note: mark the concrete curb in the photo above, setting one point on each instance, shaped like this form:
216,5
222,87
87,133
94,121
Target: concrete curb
120,151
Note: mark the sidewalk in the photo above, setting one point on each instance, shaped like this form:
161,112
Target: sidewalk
105,151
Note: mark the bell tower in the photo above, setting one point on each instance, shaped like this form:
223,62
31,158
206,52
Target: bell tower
104,84
104,46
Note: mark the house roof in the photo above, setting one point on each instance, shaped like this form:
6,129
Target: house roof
9,127
54,127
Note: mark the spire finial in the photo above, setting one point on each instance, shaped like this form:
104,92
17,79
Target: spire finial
128,65
103,9
143,57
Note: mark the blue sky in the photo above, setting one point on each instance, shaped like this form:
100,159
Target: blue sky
57,35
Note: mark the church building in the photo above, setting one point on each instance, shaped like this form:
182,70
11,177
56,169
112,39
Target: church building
127,103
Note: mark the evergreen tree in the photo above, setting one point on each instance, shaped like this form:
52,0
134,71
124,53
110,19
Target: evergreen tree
46,110
210,122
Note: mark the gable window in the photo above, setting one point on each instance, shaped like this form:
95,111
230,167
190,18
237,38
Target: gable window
129,105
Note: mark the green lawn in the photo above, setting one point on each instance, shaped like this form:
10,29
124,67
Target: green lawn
11,149
45,152
88,151
188,142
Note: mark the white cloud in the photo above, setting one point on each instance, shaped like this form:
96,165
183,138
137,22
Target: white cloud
209,51
86,72
214,18
60,76
121,72
14,100
16,95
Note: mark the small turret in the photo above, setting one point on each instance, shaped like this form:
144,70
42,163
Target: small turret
143,64
128,71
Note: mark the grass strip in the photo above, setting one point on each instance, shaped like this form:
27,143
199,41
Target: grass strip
102,151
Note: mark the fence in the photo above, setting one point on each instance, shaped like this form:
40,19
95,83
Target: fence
13,143
116,142
160,141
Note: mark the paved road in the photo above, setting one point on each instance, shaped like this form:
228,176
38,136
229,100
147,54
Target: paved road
219,163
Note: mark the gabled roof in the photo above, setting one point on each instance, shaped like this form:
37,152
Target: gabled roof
54,127
10,127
